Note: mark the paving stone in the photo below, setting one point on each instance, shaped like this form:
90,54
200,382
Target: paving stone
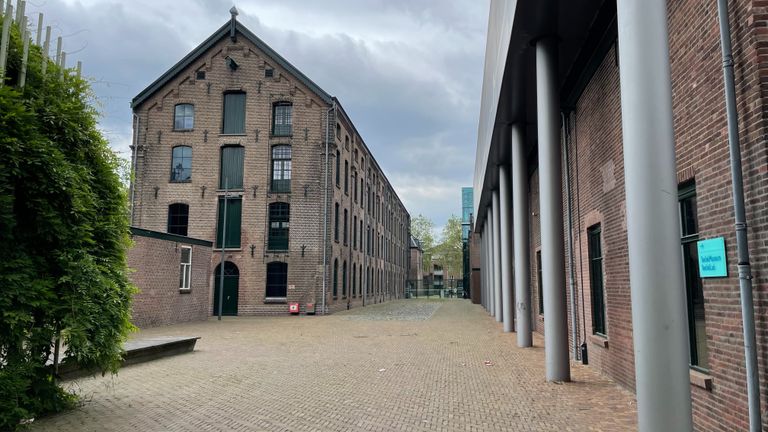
346,373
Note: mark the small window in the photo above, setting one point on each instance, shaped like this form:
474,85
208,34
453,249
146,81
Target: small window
269,73
234,113
279,223
184,117
181,164
277,280
346,177
281,169
178,219
185,268
335,278
694,288
346,216
282,119
338,168
338,131
594,250
201,75
344,280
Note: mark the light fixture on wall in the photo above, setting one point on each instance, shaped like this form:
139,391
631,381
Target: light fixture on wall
253,247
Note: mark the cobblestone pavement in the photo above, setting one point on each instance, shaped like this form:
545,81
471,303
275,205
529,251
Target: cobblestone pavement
409,365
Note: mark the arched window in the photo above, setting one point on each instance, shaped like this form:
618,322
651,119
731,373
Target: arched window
335,278
281,168
181,164
338,168
344,280
178,218
277,280
354,281
279,222
184,117
282,119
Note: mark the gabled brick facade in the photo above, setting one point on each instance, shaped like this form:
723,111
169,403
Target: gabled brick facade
202,79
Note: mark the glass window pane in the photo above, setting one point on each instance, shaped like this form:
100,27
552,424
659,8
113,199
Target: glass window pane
181,163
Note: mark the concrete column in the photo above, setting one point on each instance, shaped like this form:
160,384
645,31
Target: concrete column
492,264
483,268
505,234
655,263
497,239
556,350
521,233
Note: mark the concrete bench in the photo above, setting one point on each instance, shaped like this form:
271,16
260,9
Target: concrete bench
138,351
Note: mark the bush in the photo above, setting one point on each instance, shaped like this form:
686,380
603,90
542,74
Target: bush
63,239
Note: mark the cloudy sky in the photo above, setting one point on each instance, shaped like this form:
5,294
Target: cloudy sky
408,72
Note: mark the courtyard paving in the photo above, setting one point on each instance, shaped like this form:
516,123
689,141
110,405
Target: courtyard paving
407,365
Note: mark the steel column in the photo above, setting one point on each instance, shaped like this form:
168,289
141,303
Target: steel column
505,234
521,232
491,264
659,324
551,208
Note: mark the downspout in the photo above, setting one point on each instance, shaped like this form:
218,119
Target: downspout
745,273
134,159
569,222
325,204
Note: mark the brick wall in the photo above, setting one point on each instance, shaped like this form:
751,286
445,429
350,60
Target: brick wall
154,191
155,271
597,185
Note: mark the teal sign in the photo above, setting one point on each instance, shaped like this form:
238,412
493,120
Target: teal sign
712,262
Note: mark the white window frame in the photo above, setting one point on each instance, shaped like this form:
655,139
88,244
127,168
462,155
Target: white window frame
185,270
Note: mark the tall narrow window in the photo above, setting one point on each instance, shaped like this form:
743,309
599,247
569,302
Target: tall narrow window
336,222
181,164
178,218
354,184
354,232
346,236
694,289
338,168
184,117
595,251
281,168
233,218
346,177
282,119
279,222
231,167
185,268
335,278
354,281
277,280
539,282
234,113
344,280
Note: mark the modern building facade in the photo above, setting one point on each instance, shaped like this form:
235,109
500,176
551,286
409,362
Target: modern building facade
607,189
237,145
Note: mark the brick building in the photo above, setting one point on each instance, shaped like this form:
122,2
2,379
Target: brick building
308,209
172,273
603,173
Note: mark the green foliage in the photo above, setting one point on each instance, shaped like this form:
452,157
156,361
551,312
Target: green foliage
449,251
423,229
64,235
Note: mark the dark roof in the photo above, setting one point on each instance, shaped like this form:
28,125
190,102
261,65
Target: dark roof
222,32
415,243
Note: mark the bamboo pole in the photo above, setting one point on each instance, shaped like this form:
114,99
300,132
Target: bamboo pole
79,68
39,29
4,38
46,48
25,54
63,65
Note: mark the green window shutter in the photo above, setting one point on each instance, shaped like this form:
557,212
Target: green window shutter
234,113
232,167
234,209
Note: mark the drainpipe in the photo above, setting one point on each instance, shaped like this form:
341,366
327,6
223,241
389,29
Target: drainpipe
325,203
569,216
745,273
134,150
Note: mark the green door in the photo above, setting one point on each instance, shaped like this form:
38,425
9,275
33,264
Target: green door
231,283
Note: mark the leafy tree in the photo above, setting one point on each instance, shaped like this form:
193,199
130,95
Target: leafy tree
423,229
64,234
449,249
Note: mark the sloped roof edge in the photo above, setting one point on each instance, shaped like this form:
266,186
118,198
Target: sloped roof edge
223,32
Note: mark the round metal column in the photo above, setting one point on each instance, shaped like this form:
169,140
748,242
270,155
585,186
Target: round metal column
505,234
521,232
